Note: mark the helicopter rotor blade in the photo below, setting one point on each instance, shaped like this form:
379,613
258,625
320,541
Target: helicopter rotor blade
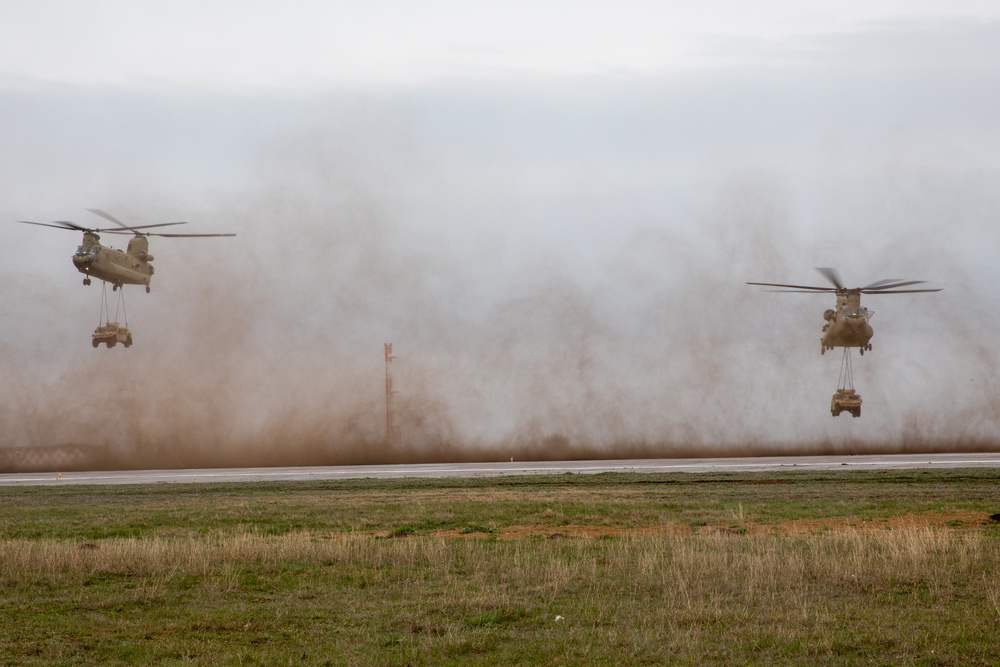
58,224
885,286
106,216
906,291
876,287
123,229
879,283
800,291
831,275
809,288
129,230
185,236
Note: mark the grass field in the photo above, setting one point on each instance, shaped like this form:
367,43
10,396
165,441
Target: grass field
885,568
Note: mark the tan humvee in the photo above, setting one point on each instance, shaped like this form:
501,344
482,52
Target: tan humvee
112,333
846,400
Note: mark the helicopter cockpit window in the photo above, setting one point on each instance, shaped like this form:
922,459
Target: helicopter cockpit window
80,250
859,311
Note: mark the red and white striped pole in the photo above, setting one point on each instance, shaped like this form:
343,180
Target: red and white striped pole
389,391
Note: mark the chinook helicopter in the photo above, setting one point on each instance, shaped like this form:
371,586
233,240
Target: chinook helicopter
130,267
848,325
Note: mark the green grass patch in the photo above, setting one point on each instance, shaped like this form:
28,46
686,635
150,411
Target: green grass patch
835,568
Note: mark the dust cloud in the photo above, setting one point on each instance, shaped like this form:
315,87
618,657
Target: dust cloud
539,310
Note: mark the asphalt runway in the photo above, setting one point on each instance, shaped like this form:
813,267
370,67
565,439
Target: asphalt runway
506,468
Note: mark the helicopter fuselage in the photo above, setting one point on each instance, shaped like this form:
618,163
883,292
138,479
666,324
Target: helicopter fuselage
848,325
118,267
131,267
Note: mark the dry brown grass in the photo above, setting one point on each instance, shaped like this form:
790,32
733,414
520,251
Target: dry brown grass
643,574
758,564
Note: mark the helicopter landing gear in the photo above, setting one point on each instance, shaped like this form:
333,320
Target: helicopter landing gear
86,281
147,289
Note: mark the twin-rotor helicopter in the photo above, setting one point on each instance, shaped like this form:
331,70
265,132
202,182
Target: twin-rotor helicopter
132,266
847,325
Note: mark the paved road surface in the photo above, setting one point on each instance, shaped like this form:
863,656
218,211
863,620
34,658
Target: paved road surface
431,470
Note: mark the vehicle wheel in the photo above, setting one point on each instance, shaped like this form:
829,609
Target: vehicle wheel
96,343
111,344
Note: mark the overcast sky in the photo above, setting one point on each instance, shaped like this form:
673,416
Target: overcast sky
549,208
313,44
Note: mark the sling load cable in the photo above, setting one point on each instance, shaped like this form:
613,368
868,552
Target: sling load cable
103,319
846,379
121,305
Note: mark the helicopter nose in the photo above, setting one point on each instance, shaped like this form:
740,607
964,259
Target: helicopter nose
855,323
